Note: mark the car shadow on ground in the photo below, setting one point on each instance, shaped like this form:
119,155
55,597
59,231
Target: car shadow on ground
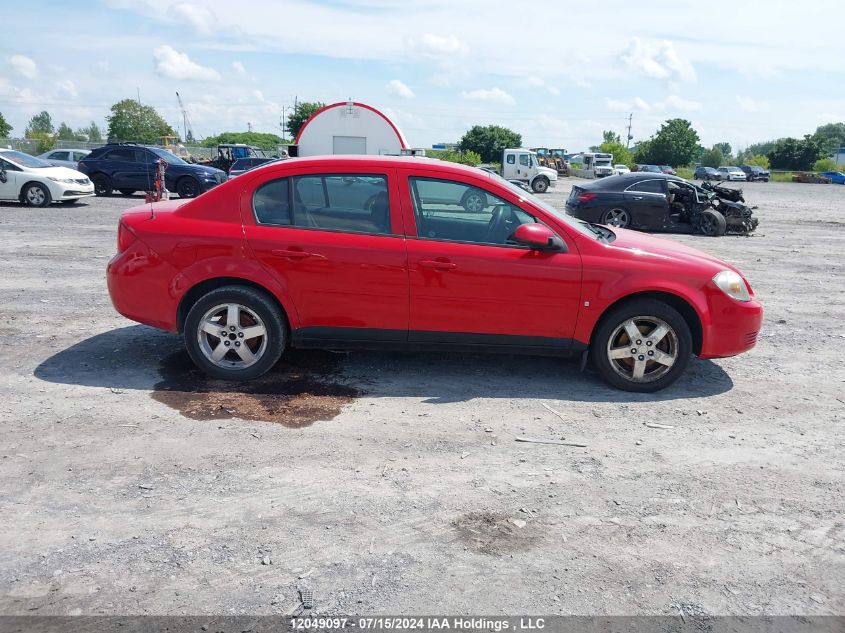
142,358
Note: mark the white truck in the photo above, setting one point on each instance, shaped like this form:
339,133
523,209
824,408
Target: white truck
521,164
596,165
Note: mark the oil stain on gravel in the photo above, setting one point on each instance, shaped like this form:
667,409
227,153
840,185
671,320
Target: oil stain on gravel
496,533
300,390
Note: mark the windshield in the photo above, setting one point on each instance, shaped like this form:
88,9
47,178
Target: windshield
170,157
24,160
578,225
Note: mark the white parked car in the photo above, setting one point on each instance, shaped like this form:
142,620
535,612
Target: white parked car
37,183
621,169
64,157
731,173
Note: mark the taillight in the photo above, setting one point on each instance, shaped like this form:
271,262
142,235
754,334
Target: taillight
125,237
586,197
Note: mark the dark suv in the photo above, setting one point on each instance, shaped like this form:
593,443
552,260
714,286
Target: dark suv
128,168
752,172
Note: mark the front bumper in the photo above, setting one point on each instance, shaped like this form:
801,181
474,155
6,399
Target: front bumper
733,325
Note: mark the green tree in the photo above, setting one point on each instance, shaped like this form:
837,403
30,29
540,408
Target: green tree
131,121
713,157
91,133
5,128
64,133
464,158
489,141
725,148
41,123
759,161
796,154
267,142
824,164
300,114
830,136
675,143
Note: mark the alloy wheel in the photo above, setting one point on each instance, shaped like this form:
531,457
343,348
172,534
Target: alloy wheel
643,349
231,336
35,195
618,218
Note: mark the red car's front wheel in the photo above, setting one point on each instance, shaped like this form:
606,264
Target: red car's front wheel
642,345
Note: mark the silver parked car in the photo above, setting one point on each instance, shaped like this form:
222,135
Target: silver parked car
65,157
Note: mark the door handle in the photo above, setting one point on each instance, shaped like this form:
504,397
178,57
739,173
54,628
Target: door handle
430,263
290,254
638,197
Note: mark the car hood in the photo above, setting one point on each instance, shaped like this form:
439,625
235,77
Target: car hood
56,172
547,171
641,246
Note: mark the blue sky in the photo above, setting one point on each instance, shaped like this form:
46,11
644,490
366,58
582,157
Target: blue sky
559,73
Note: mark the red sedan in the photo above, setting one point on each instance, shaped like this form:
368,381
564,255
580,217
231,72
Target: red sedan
383,252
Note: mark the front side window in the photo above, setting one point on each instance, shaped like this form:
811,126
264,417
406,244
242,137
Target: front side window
78,156
454,211
59,156
348,203
523,160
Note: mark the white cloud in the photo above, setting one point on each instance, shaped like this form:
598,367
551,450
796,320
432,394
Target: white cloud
750,105
239,68
438,46
172,64
68,88
399,89
636,103
538,82
198,16
494,95
658,60
24,66
674,102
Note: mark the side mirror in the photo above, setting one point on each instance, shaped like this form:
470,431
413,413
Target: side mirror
538,237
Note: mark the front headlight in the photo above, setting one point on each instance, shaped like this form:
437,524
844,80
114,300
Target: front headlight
64,181
733,285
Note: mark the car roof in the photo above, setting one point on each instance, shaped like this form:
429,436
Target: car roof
371,160
626,180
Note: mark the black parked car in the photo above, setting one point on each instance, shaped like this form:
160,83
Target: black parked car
129,167
658,202
243,165
752,172
706,173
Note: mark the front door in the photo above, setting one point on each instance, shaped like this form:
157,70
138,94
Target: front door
10,187
647,202
471,285
334,242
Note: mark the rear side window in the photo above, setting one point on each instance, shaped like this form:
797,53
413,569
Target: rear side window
122,155
349,203
647,186
271,203
511,159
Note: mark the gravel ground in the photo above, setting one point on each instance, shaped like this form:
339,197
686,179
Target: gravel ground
391,483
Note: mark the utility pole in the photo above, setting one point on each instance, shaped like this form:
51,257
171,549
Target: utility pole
248,126
629,137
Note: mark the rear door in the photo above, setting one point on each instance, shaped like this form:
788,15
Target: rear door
469,284
10,180
334,241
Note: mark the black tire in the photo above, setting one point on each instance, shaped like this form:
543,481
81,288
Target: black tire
102,184
540,185
127,192
617,217
712,223
474,202
198,342
188,187
657,376
35,194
